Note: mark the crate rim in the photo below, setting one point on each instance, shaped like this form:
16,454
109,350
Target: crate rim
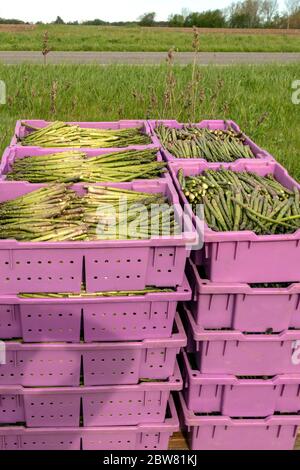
191,419
182,292
186,237
11,151
171,384
129,122
197,378
178,339
210,236
170,424
262,154
200,334
206,286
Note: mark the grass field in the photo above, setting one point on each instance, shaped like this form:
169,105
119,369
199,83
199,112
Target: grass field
258,98
95,38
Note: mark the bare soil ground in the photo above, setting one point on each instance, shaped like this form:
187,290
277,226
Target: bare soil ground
247,31
11,28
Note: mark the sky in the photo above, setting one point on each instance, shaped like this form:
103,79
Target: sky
108,10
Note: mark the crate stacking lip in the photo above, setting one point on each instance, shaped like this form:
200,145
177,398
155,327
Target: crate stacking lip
233,396
108,265
239,306
237,353
225,433
111,363
217,124
118,318
244,256
152,436
21,131
108,405
11,154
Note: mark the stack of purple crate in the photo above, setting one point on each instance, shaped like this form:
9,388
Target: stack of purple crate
90,372
241,368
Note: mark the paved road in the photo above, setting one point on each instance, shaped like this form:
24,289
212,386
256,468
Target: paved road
149,58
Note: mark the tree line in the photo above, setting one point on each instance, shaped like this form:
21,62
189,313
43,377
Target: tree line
240,14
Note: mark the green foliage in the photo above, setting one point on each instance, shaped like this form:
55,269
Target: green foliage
206,19
148,19
95,22
59,20
176,20
257,97
108,38
239,14
10,21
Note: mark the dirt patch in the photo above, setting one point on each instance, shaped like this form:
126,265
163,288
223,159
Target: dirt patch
282,32
12,28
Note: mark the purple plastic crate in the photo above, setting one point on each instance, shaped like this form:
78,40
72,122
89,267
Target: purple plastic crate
21,131
154,436
108,265
220,124
115,405
113,363
118,318
233,352
11,154
224,433
233,396
217,305
243,256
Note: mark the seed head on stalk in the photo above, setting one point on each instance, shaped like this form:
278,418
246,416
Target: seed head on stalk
45,46
196,40
170,85
53,96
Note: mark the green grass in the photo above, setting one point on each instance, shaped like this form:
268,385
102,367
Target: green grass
245,94
94,38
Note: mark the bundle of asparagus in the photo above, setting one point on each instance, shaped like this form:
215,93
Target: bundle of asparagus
113,213
243,201
75,166
212,145
60,134
84,294
42,215
56,213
